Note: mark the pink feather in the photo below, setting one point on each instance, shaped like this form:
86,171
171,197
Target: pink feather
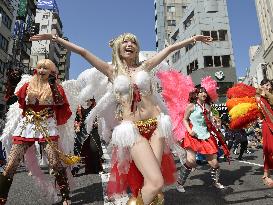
211,87
175,91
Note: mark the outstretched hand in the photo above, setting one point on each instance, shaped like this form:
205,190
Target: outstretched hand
203,39
40,37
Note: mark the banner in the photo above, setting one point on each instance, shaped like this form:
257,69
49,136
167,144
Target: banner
22,10
48,5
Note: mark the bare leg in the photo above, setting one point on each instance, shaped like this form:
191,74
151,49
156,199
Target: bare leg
157,144
212,160
191,158
148,165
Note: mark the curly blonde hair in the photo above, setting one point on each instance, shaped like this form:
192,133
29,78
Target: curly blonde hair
38,89
119,67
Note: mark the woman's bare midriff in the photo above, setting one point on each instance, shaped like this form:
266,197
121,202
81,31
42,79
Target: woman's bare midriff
146,109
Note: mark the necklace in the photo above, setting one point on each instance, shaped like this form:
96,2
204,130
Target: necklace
130,71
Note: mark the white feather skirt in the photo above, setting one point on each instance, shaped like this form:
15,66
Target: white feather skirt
29,130
126,134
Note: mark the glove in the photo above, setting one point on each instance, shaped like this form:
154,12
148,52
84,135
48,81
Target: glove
51,79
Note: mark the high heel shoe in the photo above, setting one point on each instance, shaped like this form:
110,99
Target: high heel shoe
158,200
135,200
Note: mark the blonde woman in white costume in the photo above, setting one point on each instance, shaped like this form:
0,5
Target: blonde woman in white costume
143,130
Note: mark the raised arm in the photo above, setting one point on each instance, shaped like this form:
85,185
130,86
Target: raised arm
158,58
101,65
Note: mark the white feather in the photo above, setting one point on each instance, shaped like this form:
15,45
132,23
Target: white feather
12,118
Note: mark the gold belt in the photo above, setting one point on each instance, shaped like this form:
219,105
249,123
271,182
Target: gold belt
37,118
145,126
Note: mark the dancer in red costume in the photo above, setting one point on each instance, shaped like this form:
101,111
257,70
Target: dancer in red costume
200,137
44,107
198,133
264,99
141,158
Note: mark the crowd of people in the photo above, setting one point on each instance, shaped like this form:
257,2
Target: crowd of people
142,132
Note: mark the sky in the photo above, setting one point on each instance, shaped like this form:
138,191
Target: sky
92,24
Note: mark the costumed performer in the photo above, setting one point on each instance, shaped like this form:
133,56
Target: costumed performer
198,133
141,158
264,99
44,107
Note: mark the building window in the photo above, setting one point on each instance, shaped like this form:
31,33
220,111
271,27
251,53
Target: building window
217,61
5,18
196,64
226,61
155,18
222,35
192,67
171,23
2,66
175,36
205,33
214,35
208,61
43,27
171,9
45,16
176,56
4,43
188,70
189,20
189,47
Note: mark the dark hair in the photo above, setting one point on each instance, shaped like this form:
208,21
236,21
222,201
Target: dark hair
265,81
194,94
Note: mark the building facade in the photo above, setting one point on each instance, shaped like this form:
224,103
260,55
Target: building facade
6,16
48,21
168,14
207,17
24,11
265,15
257,70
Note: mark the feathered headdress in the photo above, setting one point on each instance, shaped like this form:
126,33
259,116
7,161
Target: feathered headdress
242,106
176,88
211,87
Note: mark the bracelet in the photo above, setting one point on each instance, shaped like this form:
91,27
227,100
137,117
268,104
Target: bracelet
194,40
55,38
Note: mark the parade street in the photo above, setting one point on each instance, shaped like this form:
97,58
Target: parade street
242,178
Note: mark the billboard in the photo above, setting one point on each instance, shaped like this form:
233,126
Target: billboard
48,5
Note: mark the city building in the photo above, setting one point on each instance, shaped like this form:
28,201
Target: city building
207,17
257,70
168,13
265,15
6,16
48,20
24,14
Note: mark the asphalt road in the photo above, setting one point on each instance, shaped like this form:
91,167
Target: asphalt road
242,178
